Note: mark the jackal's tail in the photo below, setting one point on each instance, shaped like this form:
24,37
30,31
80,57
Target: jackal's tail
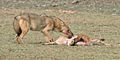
16,25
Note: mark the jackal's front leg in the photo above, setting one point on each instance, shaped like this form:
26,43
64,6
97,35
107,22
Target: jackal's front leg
46,32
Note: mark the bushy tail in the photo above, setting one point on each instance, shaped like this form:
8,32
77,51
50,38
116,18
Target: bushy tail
16,25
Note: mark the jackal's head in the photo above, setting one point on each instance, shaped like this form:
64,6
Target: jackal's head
66,30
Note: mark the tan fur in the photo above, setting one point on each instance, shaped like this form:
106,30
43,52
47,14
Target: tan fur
79,39
62,40
82,37
87,40
30,21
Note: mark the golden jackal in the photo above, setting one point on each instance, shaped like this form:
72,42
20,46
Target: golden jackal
30,21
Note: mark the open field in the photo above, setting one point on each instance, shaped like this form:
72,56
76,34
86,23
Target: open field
91,17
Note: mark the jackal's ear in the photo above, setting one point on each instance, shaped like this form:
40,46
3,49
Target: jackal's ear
44,14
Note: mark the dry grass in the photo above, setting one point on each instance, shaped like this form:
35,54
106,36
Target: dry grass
94,23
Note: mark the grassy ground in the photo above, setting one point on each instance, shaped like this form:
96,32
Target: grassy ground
91,17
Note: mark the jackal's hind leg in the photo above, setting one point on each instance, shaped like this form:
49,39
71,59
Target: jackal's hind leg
24,26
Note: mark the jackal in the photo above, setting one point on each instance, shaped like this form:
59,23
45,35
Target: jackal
30,21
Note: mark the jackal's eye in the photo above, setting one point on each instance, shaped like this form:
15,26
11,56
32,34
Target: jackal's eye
68,30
